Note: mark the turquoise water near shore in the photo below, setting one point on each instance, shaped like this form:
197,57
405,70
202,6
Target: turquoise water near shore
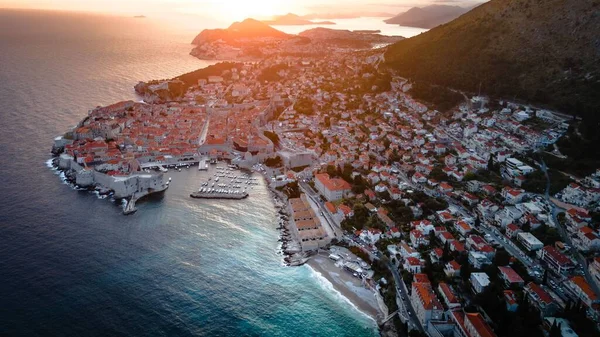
73,265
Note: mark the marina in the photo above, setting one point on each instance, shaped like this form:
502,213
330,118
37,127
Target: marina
226,183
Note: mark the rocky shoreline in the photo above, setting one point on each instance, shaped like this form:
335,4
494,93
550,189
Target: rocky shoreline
290,247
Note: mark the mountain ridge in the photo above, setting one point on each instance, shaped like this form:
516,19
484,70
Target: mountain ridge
428,16
545,52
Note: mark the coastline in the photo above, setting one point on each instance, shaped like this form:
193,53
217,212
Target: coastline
346,285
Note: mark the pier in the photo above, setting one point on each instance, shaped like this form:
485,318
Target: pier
129,207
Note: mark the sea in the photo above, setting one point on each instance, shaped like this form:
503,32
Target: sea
71,264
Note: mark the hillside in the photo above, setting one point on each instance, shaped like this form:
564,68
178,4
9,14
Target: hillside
544,52
247,29
427,17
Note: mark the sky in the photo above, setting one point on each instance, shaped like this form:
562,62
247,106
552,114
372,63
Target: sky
229,9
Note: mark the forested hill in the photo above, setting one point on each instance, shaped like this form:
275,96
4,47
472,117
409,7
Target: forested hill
542,51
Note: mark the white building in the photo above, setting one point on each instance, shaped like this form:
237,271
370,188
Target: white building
331,188
529,241
479,281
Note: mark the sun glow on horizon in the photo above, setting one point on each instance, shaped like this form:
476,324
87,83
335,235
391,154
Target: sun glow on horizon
237,10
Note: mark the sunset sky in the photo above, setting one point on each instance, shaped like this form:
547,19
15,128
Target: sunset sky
227,9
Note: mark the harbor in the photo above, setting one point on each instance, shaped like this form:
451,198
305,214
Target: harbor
226,183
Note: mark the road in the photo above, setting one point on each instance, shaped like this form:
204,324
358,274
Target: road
401,291
563,233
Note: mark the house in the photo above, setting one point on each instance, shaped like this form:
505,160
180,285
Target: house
478,260
594,269
510,277
479,281
589,241
445,216
331,188
395,232
470,325
446,237
512,195
529,241
450,160
452,269
345,211
470,199
412,264
370,194
419,178
541,299
417,238
436,255
579,289
445,187
406,250
448,296
555,260
512,230
463,228
457,246
371,235
426,305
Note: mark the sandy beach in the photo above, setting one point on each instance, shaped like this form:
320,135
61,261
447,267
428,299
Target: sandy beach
349,286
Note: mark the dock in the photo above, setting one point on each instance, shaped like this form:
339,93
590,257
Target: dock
219,195
202,165
129,207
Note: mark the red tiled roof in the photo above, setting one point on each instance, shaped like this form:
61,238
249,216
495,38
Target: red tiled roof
482,328
332,184
540,292
557,256
584,286
510,275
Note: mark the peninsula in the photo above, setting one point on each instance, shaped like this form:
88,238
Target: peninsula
252,40
434,210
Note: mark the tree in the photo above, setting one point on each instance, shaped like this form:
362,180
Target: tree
490,164
502,258
526,227
465,271
447,255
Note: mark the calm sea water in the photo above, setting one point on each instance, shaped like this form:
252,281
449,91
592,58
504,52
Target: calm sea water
73,265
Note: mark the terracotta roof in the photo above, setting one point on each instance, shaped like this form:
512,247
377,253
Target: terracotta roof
510,275
332,184
482,328
584,286
543,296
557,256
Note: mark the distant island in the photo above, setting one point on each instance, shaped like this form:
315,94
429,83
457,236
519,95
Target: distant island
294,20
140,17
348,15
252,40
427,17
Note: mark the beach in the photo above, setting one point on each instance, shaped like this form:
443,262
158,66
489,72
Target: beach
347,285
